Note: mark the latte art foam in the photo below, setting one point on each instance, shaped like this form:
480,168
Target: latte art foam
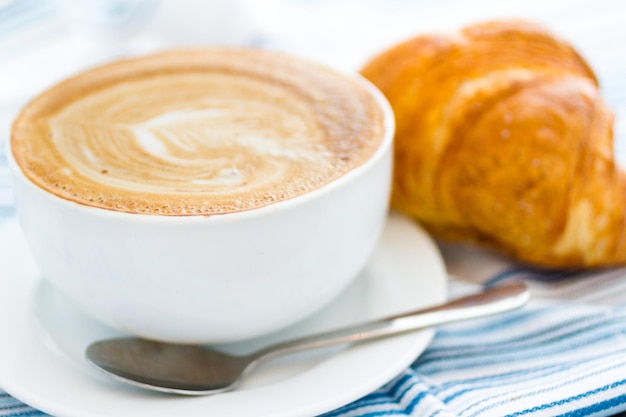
196,132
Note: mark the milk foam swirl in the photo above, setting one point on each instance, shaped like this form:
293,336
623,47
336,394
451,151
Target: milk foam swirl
218,145
208,138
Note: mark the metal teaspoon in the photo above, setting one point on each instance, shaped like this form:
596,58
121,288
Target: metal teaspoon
198,370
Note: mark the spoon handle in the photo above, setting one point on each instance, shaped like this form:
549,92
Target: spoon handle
492,300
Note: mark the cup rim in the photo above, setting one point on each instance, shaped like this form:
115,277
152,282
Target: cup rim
384,146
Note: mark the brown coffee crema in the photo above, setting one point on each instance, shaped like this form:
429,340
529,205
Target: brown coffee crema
196,132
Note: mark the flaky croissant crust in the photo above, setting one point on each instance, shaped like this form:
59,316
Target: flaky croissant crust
503,139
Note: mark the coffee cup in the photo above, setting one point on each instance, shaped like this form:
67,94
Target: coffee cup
206,195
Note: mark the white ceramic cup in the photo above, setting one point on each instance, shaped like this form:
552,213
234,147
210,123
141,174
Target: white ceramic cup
211,279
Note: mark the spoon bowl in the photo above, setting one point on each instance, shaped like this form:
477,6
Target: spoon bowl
200,370
168,367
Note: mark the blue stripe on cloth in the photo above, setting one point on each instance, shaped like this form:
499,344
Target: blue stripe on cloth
552,334
508,381
596,408
563,401
569,341
549,361
459,387
503,358
559,382
533,373
525,344
406,406
506,321
494,324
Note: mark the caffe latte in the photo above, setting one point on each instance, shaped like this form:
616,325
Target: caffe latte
197,132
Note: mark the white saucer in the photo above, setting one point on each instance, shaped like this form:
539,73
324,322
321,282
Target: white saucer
44,336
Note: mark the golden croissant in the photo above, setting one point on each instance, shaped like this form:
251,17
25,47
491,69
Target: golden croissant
503,139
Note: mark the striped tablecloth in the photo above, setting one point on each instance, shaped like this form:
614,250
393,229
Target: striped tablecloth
563,355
